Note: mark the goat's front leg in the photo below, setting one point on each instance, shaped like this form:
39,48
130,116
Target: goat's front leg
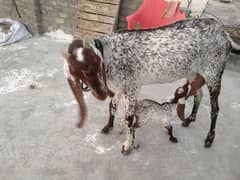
112,111
129,144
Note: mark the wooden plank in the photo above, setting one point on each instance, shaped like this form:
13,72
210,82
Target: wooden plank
116,17
95,17
87,34
106,1
95,26
98,8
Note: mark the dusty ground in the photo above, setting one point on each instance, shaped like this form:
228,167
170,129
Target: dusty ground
38,138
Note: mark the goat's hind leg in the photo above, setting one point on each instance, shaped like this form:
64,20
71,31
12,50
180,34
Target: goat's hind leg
214,94
195,89
196,103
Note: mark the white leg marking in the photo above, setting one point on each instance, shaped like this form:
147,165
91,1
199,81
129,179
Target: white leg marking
122,125
128,144
189,89
181,100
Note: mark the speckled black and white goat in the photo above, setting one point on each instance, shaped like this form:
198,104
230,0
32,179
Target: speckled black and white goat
118,64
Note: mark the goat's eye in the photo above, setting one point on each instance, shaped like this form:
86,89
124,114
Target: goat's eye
83,86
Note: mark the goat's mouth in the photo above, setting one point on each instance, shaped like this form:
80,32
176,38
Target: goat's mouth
96,86
99,94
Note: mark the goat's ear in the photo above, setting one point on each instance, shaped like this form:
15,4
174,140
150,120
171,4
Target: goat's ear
78,94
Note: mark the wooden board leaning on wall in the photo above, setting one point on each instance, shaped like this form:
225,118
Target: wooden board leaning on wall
96,17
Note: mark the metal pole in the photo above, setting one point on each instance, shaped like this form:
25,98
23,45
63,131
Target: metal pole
16,7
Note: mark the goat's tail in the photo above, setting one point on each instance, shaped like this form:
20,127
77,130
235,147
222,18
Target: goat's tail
235,46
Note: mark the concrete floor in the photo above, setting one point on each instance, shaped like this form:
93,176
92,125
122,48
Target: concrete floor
39,141
228,13
38,138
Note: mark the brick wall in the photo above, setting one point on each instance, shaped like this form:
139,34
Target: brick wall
47,15
42,15
58,14
26,9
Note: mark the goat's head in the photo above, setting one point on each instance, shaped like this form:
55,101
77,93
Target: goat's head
84,66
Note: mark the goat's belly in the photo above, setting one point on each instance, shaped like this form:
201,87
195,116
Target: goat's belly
163,70
165,77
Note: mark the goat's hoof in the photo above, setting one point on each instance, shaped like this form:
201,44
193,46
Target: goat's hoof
120,131
125,151
106,130
209,140
187,121
185,124
173,139
208,143
136,146
79,125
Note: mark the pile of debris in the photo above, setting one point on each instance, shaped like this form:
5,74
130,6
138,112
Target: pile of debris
12,31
